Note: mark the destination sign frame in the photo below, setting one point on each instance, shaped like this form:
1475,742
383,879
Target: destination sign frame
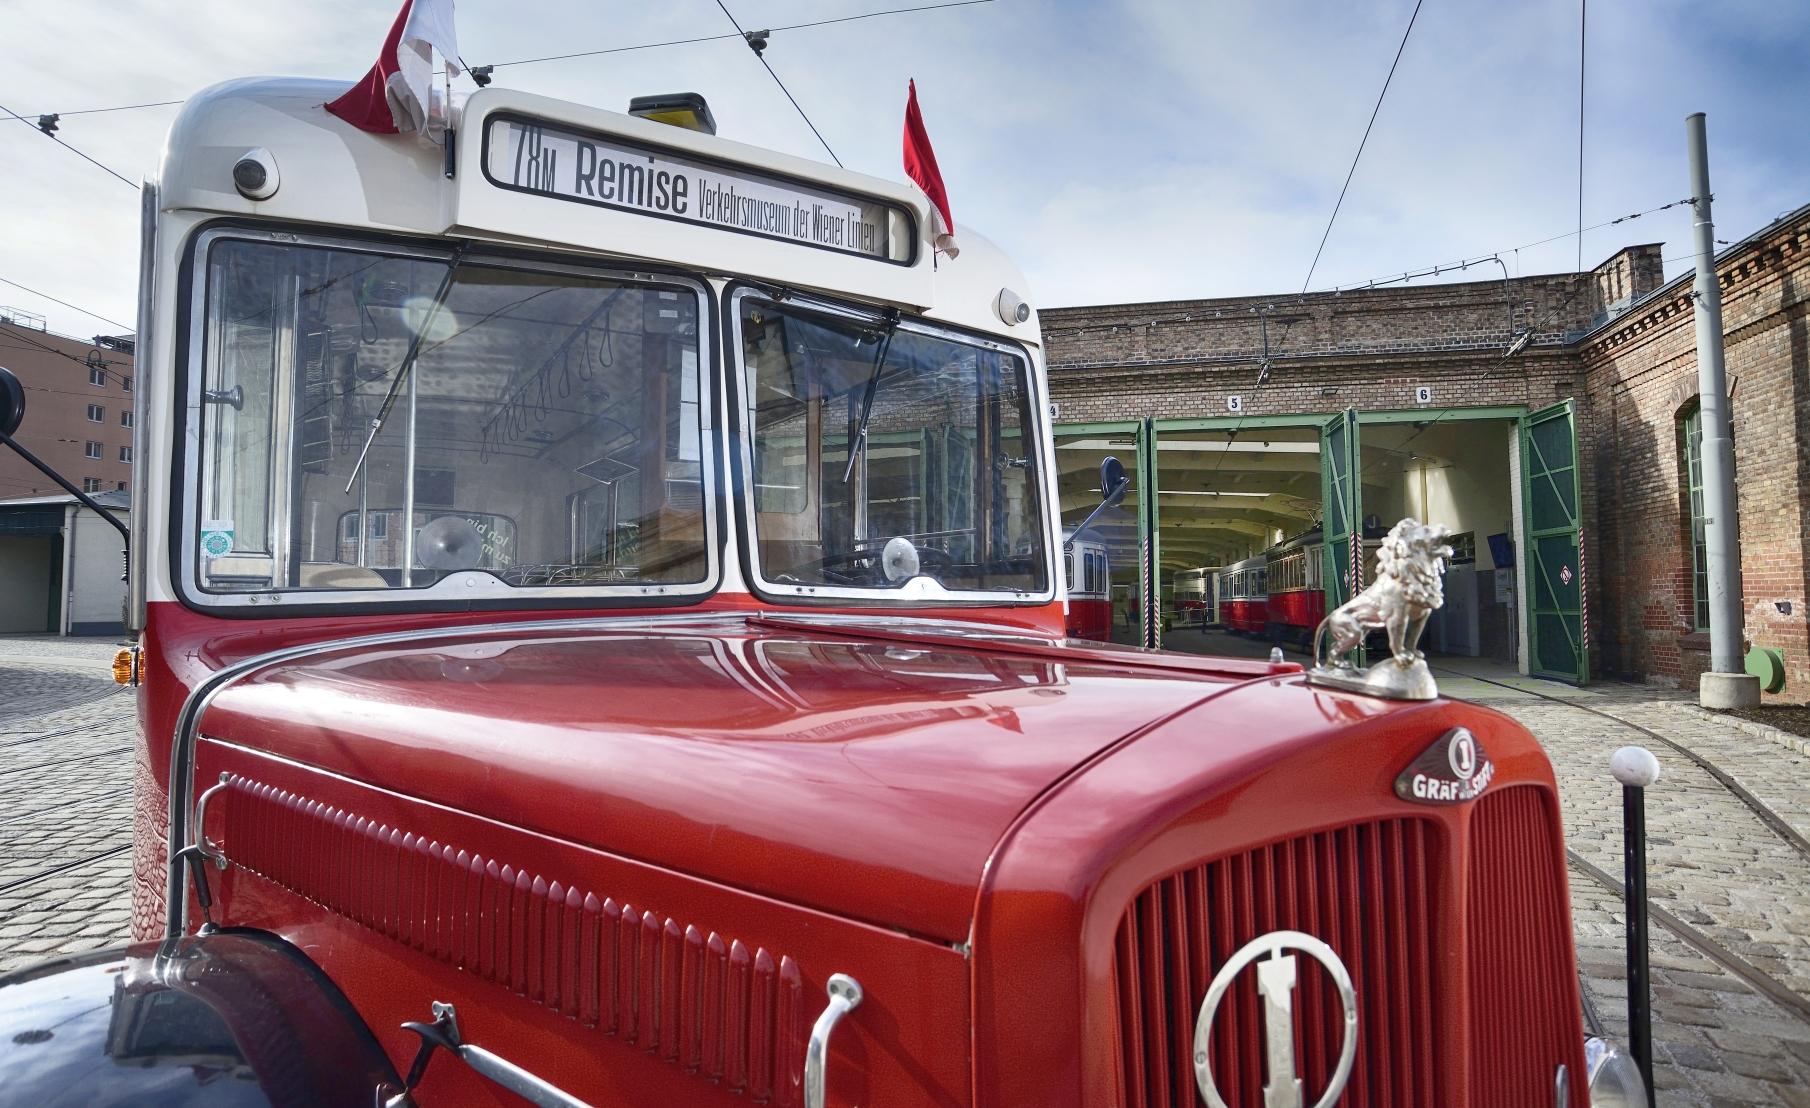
540,157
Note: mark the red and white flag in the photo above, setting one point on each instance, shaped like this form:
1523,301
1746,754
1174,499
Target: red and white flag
398,96
920,166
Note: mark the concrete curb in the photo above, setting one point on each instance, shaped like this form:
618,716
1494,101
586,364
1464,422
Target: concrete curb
1771,734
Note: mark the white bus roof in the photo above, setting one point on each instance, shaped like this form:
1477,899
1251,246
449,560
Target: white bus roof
331,173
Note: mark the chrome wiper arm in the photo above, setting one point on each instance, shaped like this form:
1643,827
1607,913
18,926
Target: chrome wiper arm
856,448
408,366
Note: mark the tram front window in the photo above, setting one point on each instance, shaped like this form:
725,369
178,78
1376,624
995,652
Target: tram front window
888,458
373,421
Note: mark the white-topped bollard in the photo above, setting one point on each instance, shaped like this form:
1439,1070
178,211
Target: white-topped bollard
1634,765
1636,768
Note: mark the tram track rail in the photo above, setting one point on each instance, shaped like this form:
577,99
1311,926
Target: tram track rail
64,731
35,812
64,867
66,761
1757,979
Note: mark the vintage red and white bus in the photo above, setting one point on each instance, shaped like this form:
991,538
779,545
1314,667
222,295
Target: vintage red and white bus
1089,575
1195,596
598,599
1244,595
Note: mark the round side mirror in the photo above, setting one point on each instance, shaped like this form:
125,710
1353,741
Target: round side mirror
12,401
1113,482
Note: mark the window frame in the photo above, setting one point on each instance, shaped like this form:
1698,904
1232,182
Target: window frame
1694,515
1037,442
97,413
185,464
91,449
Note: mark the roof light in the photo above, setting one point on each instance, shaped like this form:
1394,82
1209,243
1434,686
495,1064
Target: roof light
677,109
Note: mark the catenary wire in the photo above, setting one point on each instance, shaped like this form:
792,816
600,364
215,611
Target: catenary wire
1361,143
64,145
720,38
781,84
17,333
67,304
121,108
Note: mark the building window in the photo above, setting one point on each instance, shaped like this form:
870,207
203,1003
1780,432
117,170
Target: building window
97,414
97,376
122,486
92,450
1693,454
91,484
125,454
125,418
125,383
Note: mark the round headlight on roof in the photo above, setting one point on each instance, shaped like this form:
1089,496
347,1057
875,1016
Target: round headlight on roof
255,174
1011,308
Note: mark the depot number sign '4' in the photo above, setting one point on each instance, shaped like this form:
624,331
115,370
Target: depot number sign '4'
532,156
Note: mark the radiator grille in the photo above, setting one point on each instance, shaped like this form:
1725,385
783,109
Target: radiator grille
1365,890
1524,1007
682,993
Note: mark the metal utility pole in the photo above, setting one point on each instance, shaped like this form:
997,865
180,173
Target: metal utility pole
1727,685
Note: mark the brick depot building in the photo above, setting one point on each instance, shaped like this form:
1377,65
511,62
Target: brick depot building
1550,421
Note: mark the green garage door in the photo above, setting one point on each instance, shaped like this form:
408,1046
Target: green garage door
1553,567
1342,511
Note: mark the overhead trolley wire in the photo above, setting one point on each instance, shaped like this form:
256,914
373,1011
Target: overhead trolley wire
65,303
720,38
782,85
1360,152
64,145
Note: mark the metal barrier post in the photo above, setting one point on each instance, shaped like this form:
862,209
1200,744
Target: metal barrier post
1636,769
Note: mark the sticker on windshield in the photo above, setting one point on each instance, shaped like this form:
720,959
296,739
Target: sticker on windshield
216,538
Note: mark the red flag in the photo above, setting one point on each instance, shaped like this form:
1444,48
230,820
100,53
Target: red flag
398,94
920,166
365,105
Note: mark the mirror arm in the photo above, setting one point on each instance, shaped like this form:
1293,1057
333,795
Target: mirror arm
1111,499
86,500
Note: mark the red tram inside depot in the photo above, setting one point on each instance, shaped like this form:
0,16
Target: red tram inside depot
1296,584
1085,565
1244,596
1281,593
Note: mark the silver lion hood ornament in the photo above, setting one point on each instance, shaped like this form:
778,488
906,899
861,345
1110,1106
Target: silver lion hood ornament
1409,585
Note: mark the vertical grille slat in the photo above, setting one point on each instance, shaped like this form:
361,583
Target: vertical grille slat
1525,1023
1366,890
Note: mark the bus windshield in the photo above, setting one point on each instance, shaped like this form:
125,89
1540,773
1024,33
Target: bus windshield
888,457
378,421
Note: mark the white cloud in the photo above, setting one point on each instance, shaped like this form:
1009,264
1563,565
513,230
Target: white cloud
1121,150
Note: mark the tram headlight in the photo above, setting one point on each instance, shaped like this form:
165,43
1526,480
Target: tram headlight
1011,308
255,174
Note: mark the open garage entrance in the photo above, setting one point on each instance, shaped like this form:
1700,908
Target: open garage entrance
1080,448
1242,532
1228,493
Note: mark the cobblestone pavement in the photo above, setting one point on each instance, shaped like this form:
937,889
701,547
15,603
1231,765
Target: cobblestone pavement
65,799
1711,862
66,733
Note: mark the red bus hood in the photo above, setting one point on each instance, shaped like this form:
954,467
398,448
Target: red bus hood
866,772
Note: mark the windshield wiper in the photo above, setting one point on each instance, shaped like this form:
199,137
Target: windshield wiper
408,365
890,316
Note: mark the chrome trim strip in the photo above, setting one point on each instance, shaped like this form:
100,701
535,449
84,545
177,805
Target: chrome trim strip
845,996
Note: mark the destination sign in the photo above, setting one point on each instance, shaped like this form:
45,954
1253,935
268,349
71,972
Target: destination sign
548,161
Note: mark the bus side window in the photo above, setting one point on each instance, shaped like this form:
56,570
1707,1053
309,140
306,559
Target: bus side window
1068,571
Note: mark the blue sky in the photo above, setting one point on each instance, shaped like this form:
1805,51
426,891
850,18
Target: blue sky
1120,151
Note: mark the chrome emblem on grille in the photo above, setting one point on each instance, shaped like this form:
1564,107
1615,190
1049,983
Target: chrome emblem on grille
1276,980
